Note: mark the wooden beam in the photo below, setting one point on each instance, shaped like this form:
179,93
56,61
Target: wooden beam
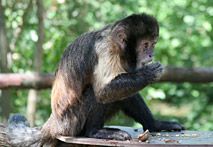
187,74
45,80
26,81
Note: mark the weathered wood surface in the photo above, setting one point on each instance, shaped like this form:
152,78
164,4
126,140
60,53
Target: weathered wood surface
183,138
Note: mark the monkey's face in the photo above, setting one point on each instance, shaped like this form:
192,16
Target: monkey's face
145,52
136,38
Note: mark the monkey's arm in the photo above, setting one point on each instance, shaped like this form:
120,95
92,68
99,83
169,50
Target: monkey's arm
127,84
136,108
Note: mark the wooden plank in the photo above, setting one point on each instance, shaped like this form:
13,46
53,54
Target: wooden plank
93,141
183,139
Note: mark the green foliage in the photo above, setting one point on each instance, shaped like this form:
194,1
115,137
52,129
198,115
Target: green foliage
186,39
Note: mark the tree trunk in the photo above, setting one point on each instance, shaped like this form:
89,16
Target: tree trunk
4,47
18,30
34,94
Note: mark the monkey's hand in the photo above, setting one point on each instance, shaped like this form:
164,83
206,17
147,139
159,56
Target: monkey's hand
166,126
152,71
157,69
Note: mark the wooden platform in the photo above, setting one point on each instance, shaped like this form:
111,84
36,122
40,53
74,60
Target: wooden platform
156,139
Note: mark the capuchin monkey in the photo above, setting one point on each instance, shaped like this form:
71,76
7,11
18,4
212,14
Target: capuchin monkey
99,74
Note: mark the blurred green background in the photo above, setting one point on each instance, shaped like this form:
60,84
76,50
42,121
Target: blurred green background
186,40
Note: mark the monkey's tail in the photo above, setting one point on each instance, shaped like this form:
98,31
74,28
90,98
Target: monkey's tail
19,134
3,136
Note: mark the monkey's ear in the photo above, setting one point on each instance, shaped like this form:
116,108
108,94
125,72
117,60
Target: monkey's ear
120,36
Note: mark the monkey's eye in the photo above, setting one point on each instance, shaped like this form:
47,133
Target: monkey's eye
153,44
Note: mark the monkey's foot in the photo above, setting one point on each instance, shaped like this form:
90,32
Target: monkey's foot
166,126
111,133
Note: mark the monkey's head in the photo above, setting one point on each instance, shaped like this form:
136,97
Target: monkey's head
136,36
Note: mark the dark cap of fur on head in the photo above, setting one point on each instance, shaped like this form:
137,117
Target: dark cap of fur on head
139,25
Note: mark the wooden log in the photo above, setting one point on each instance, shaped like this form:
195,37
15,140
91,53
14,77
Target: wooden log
187,74
26,81
45,80
184,138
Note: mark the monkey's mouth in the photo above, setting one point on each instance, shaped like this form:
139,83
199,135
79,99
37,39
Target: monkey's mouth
142,64
146,63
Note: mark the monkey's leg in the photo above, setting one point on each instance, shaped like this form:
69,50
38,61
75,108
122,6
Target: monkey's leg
95,122
136,108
